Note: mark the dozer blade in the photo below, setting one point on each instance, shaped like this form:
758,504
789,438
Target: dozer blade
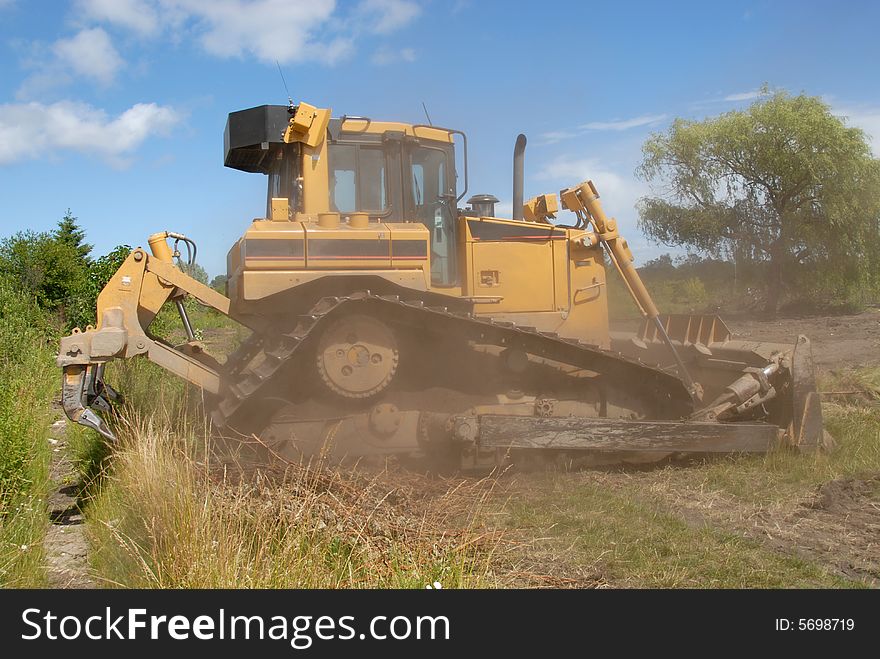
584,434
83,387
744,380
477,441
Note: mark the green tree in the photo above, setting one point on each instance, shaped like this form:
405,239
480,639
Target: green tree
218,283
54,270
196,271
70,233
81,307
42,267
784,182
662,265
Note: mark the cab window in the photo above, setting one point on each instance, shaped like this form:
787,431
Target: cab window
284,172
357,178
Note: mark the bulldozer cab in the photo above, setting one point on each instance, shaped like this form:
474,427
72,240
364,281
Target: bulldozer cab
392,172
396,177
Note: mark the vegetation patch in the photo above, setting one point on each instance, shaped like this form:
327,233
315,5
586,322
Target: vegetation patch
30,381
631,541
172,512
779,520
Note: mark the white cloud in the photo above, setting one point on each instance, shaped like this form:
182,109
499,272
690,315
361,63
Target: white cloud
625,124
45,82
555,136
289,30
137,15
285,30
385,56
744,96
619,193
387,16
268,29
571,171
866,118
89,53
337,50
712,101
35,130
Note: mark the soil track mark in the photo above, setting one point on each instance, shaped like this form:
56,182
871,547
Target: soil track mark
66,547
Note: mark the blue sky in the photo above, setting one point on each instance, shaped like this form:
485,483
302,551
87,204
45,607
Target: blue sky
116,108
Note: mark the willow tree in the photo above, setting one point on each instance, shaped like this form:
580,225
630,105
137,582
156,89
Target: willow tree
783,182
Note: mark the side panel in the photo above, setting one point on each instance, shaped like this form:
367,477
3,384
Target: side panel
561,274
274,250
544,275
513,261
409,245
274,257
346,248
261,284
520,273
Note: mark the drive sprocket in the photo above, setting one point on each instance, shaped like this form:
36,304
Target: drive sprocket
357,356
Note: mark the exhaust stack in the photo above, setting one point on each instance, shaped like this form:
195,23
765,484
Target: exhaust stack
519,152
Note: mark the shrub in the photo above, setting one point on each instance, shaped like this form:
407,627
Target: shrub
692,291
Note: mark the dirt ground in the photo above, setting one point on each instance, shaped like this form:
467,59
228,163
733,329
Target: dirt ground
65,544
838,341
835,525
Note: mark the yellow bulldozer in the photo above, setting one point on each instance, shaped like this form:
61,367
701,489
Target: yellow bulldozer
386,320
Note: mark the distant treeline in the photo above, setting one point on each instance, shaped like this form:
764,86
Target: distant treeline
696,284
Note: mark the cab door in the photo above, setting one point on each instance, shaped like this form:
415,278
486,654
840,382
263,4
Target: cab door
430,199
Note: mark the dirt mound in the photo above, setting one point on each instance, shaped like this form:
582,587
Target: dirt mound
847,496
840,526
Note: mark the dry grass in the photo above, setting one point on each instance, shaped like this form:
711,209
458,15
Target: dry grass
172,514
852,385
625,539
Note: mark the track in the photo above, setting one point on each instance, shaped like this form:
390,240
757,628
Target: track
258,361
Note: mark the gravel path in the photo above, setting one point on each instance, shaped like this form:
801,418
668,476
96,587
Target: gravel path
66,547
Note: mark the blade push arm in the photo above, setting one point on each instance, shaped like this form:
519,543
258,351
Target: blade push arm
583,200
